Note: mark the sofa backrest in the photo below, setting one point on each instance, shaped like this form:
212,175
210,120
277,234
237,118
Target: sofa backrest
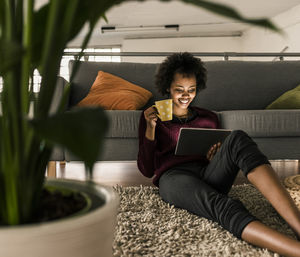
140,74
247,85
231,85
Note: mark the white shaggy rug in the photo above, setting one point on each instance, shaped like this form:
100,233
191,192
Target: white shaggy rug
147,226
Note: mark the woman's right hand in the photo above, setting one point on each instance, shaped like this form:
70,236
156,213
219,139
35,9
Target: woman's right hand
150,115
213,150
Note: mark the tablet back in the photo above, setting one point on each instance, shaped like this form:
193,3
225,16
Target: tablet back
197,141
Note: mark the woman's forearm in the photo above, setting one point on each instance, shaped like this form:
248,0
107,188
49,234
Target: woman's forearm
150,133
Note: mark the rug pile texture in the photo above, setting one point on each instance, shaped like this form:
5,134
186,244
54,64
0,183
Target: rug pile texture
147,226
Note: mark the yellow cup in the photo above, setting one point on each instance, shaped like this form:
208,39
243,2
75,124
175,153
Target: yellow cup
165,109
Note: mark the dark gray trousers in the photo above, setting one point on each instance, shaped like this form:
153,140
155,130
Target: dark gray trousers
203,190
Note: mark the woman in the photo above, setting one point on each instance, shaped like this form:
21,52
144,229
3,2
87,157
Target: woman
200,184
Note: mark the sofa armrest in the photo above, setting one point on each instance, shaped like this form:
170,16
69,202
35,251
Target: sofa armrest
60,86
58,94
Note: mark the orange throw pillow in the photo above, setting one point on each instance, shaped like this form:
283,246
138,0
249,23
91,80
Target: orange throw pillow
114,93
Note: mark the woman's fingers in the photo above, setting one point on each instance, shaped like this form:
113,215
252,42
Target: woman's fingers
209,154
213,150
150,114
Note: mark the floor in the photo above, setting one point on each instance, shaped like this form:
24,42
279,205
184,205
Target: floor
127,174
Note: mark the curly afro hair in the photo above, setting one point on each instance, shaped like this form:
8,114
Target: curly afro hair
182,63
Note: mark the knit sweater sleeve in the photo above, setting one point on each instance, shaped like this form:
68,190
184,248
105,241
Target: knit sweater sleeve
146,154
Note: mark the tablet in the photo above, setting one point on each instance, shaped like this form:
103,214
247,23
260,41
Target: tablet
197,141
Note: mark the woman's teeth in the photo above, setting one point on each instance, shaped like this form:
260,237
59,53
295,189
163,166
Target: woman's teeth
183,101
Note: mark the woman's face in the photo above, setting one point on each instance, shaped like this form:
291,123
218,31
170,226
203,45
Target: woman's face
182,91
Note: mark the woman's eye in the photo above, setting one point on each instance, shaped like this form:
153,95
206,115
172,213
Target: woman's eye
181,91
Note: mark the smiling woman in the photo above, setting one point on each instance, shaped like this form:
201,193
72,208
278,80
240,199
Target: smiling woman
200,183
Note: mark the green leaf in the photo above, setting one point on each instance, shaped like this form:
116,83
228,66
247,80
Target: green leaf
39,25
1,145
86,11
229,12
2,17
91,11
105,18
10,55
81,131
65,18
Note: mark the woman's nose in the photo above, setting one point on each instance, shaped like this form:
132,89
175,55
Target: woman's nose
185,94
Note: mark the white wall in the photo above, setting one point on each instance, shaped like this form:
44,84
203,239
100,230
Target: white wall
190,44
262,40
253,40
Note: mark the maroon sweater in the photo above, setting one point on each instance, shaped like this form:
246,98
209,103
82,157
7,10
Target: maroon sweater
156,157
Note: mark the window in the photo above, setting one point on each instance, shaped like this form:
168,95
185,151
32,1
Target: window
93,55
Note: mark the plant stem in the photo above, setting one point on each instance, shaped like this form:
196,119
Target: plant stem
10,125
49,59
83,46
26,75
26,64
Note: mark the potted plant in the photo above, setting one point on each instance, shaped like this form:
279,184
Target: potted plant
32,39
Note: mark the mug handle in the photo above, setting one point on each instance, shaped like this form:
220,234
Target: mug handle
157,111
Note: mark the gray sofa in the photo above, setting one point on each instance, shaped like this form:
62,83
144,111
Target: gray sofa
238,91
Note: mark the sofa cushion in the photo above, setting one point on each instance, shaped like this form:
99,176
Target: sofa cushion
114,93
257,123
289,100
123,124
263,123
113,149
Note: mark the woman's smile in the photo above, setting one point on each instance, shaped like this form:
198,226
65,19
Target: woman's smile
184,101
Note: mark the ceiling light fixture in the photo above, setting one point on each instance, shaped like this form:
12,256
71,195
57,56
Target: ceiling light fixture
189,35
109,29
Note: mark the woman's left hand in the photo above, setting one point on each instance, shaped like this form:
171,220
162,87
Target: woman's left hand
212,151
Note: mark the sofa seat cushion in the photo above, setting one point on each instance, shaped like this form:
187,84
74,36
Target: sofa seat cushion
263,123
123,123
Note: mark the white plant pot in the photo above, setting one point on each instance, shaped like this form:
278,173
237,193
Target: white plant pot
87,235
